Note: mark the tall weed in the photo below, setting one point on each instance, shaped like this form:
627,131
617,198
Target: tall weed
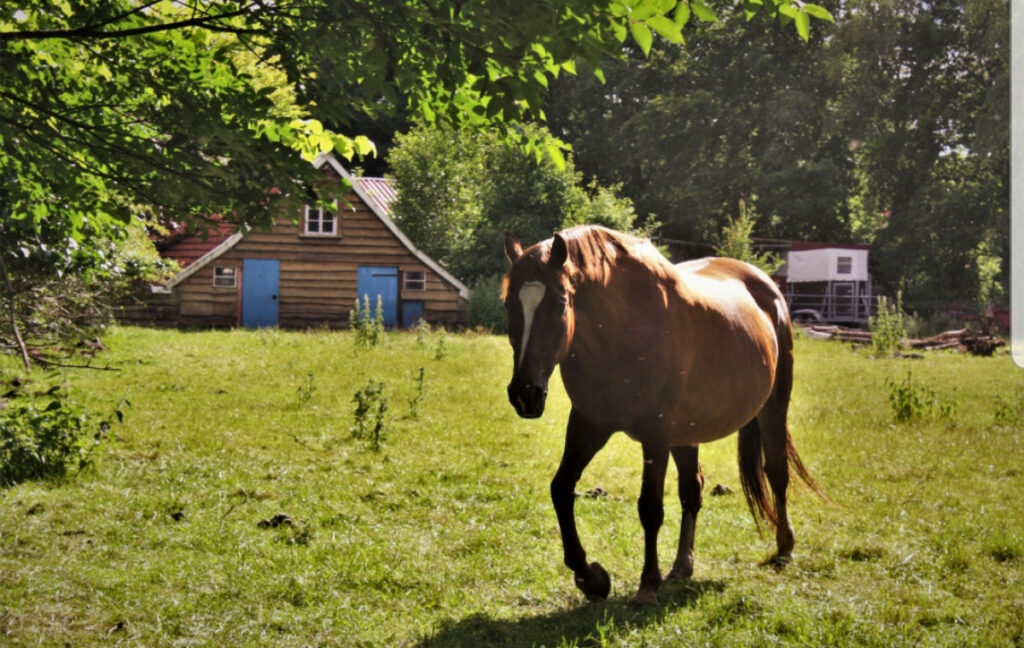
887,327
910,402
367,324
371,407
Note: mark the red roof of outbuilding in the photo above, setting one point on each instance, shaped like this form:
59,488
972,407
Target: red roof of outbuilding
185,246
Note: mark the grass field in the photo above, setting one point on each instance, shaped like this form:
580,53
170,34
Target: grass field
234,507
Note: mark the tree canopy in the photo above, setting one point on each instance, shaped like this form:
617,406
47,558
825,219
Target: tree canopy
890,128
459,191
190,108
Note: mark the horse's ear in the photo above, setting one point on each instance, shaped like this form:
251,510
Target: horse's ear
559,252
513,249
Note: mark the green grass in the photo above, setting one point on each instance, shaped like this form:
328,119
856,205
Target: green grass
446,537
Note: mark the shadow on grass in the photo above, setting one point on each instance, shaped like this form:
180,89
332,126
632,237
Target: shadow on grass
583,625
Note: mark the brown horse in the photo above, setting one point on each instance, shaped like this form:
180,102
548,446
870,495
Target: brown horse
674,356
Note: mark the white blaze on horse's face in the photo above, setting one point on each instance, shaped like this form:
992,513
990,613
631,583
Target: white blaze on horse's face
530,296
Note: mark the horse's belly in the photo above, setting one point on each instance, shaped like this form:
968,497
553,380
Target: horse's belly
714,405
703,408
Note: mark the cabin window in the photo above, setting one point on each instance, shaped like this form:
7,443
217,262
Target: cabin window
321,221
415,280
225,276
844,265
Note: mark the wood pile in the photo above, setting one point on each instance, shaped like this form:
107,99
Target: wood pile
961,340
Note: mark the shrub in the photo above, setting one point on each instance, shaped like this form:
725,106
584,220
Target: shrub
485,306
910,402
736,241
46,435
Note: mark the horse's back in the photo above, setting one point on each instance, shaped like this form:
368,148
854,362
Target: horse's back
709,276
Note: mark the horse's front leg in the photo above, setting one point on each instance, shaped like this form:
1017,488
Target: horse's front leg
582,441
652,514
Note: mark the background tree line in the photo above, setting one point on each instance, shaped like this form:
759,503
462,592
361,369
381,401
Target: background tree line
890,127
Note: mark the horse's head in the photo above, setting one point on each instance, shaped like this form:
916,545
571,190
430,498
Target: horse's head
538,299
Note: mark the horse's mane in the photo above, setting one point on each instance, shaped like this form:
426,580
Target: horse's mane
594,251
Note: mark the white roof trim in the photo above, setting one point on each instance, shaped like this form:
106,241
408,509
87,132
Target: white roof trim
390,224
198,264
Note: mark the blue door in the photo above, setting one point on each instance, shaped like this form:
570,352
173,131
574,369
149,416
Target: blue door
260,279
376,281
412,313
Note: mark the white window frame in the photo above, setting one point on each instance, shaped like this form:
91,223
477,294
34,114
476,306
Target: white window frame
844,265
418,283
219,277
320,221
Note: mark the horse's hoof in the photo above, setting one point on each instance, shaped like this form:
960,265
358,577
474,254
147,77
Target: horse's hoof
595,583
680,574
778,562
644,597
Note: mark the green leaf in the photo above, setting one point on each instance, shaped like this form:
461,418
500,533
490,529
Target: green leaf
344,147
751,7
704,12
428,113
665,28
682,14
803,25
818,12
642,35
620,31
365,146
554,151
643,10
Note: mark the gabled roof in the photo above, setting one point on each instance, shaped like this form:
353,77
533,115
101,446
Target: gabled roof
378,194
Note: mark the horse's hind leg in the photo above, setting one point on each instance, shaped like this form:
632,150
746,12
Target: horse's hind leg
582,441
691,486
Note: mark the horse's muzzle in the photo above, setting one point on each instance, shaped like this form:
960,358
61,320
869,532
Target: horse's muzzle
528,400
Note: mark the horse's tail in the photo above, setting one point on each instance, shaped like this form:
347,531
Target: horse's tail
754,479
752,442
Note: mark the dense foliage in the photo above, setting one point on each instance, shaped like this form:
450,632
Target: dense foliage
45,435
890,128
461,190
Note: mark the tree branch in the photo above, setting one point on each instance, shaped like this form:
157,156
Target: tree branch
92,31
13,314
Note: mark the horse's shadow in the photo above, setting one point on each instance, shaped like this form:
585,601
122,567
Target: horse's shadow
575,626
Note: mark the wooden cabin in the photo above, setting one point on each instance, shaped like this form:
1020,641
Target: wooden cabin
305,274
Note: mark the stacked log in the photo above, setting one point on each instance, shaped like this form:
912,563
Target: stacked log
944,340
961,339
841,333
